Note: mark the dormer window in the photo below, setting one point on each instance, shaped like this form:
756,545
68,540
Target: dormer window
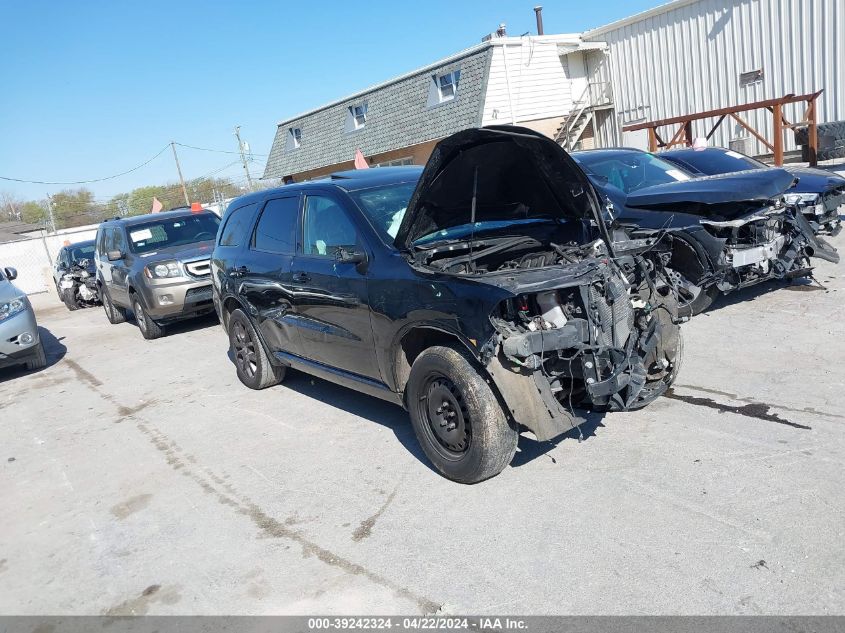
294,139
447,85
359,115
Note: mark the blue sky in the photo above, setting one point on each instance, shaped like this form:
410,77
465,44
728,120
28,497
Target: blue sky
91,89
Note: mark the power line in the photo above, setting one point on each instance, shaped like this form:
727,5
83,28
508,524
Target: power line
85,182
219,151
128,171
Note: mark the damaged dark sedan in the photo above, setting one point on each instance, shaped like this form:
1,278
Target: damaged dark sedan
818,194
726,231
483,293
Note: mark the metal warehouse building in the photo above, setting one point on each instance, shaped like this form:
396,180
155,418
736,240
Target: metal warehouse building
695,55
584,89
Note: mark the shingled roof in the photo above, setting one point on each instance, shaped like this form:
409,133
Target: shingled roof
398,115
13,231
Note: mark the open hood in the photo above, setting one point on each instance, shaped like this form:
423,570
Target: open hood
521,175
724,195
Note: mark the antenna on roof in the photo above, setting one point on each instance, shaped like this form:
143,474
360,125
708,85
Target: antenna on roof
472,216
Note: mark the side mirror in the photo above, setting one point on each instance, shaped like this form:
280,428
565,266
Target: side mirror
11,273
114,256
351,256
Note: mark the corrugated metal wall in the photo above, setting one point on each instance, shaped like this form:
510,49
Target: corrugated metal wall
689,59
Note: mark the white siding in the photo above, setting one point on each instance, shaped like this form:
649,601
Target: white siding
539,84
688,59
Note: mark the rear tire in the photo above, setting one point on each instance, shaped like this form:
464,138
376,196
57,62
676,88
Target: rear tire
456,417
114,314
150,330
39,359
252,363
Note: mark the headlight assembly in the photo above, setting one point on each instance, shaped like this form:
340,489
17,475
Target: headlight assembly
13,307
802,199
163,270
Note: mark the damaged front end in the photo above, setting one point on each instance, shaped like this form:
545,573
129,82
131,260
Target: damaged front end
580,328
608,340
572,320
743,225
771,242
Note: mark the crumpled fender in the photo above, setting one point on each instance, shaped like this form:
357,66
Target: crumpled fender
816,246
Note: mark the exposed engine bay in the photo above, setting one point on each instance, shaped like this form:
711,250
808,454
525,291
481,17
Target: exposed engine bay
584,329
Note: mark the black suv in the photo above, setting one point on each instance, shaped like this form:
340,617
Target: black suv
483,293
157,266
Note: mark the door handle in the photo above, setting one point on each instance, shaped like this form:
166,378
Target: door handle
240,271
301,277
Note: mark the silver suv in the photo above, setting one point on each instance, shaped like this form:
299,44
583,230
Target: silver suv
19,340
157,266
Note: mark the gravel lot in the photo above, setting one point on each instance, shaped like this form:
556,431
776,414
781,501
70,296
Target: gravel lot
141,477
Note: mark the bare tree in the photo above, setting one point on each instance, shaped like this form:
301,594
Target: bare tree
10,207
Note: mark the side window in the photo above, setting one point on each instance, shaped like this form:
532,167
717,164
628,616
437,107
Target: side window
326,228
101,241
118,241
236,230
108,240
276,227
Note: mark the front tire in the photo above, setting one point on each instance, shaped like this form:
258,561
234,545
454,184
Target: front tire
38,360
456,417
114,314
69,299
251,361
149,329
693,299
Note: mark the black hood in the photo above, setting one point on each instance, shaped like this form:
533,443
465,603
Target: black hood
521,175
725,195
815,180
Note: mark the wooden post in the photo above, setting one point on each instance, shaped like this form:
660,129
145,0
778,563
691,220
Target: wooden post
652,139
812,133
778,133
688,133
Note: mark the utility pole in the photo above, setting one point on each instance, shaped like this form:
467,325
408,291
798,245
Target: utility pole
52,219
179,169
243,156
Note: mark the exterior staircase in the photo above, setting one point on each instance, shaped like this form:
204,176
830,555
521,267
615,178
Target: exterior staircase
595,96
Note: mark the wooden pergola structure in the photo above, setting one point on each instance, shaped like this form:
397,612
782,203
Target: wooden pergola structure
683,135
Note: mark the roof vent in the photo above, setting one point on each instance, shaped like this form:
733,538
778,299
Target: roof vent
500,32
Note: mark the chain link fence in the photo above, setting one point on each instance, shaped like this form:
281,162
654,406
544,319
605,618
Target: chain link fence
34,257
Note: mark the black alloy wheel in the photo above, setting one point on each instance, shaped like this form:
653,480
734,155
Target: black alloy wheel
244,349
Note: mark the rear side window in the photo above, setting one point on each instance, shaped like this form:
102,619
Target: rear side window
275,230
236,230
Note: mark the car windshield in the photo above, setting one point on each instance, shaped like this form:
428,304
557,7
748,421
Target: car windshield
178,231
385,206
78,252
719,162
630,171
